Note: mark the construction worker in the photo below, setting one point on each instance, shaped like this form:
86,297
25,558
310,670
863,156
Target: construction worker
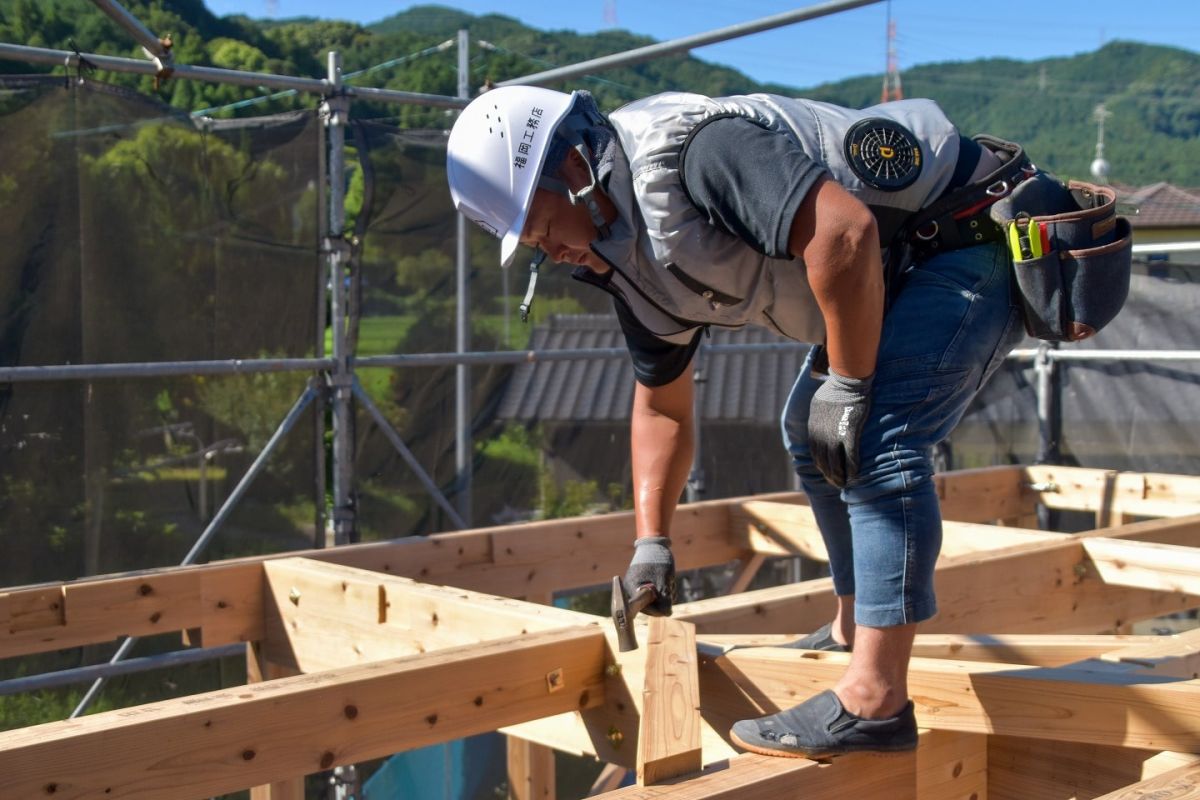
694,211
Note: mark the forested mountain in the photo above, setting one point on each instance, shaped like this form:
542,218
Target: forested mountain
1152,92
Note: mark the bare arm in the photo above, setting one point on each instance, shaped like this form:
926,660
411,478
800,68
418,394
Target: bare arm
835,235
661,448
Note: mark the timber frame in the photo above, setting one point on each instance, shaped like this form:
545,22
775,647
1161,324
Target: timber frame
1027,685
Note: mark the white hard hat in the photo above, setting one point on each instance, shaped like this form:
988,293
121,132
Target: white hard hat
495,155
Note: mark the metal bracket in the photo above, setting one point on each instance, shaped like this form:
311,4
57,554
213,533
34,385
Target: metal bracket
335,108
339,245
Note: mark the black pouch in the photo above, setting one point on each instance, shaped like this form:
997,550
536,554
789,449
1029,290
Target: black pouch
1080,281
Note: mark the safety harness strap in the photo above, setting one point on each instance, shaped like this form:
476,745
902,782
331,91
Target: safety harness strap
959,217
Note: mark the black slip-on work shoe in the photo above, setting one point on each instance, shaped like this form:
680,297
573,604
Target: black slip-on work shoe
821,727
820,639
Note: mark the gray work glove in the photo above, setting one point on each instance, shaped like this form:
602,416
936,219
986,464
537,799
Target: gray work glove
835,421
652,563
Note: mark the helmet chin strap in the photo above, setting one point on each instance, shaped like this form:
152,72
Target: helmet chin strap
539,255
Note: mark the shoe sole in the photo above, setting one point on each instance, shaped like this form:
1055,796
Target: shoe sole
822,756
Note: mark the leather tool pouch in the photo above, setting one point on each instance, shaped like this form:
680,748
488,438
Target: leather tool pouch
1075,278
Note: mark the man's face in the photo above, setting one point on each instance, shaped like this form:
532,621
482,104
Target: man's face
564,231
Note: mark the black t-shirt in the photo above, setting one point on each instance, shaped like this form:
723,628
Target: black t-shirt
747,180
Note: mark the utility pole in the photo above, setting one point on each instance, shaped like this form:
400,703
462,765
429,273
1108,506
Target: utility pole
1100,165
891,79
610,13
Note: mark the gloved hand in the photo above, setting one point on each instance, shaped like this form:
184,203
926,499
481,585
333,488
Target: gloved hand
835,421
652,563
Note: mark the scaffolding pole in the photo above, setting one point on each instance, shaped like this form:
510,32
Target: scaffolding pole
334,110
161,369
687,43
398,442
66,677
462,327
254,80
155,47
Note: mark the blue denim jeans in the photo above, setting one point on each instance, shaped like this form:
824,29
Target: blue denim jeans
949,327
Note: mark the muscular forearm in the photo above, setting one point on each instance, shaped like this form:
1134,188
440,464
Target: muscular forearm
836,236
661,452
851,300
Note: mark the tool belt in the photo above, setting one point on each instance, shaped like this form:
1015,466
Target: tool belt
1072,254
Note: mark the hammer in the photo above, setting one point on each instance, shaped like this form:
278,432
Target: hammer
625,609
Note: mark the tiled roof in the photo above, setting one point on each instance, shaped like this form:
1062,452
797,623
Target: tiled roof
736,387
1160,205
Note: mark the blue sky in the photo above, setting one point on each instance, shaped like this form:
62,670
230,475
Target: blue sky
846,44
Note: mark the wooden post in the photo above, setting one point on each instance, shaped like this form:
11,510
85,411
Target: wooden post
259,669
531,774
530,770
669,733
951,766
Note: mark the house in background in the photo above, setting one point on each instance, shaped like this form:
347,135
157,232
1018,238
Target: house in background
583,406
1162,213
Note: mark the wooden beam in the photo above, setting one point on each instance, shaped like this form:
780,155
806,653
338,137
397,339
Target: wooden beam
946,766
1057,592
1035,650
220,600
1145,565
223,741
783,529
1119,709
984,495
1176,656
575,553
778,609
669,733
226,602
548,556
321,616
1028,769
231,605
1111,493
754,777
778,529
751,563
1182,783
611,777
1182,531
968,538
216,605
511,560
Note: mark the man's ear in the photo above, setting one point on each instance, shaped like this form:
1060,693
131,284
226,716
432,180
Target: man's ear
574,171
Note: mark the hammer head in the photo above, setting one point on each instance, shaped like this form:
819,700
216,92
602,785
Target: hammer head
624,609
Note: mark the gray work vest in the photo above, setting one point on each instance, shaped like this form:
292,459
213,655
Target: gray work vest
676,271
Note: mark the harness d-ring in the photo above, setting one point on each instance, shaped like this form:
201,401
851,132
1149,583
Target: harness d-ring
998,189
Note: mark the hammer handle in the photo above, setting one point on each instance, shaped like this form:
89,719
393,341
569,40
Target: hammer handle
643,596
